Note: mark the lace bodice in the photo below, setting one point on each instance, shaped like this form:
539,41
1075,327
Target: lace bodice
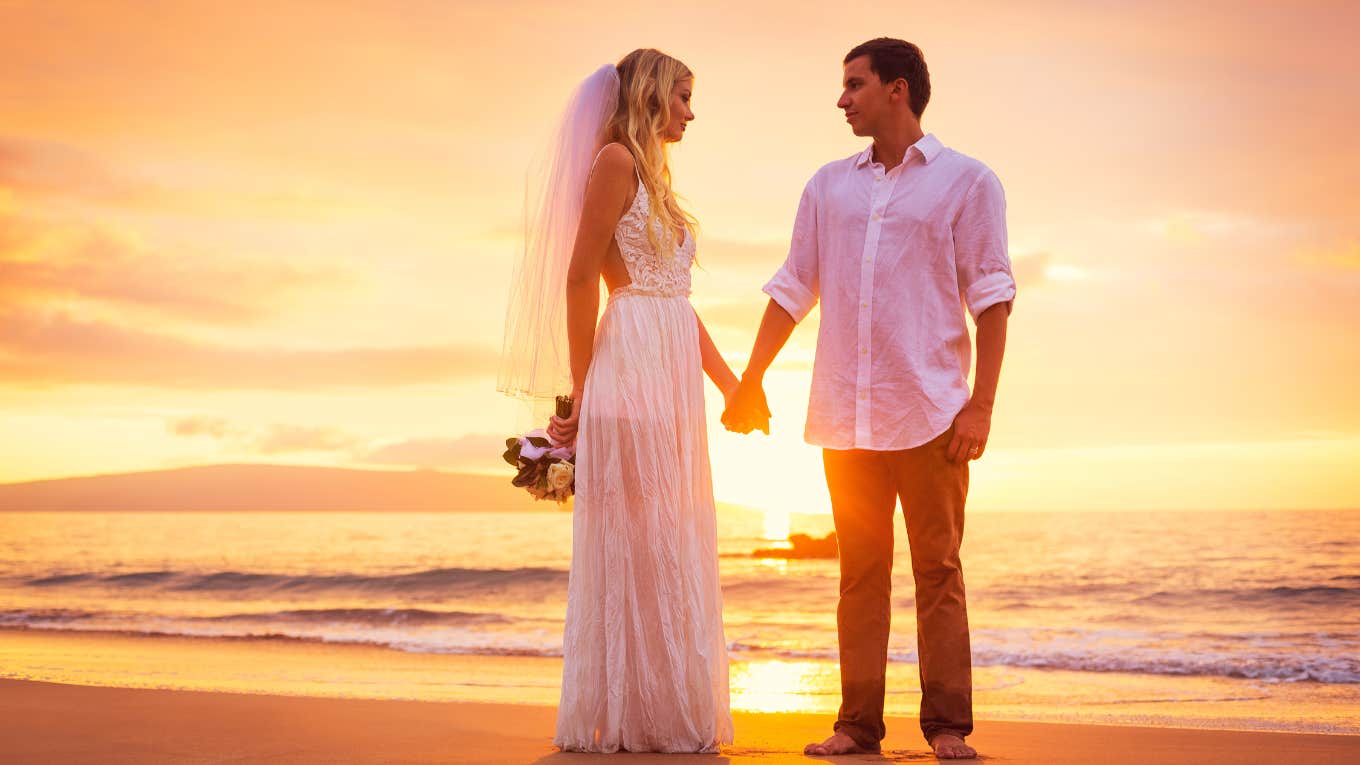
651,274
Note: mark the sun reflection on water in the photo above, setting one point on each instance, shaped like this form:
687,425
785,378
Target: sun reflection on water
782,686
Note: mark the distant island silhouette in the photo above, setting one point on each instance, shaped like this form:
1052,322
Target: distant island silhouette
265,487
270,487
803,546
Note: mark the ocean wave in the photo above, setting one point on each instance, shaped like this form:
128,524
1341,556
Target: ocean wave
438,643
385,617
1255,666
1282,666
368,617
472,634
1272,597
60,579
22,617
747,589
441,579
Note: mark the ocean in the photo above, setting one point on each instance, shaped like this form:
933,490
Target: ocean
1223,619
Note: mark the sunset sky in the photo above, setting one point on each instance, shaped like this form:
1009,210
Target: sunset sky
283,232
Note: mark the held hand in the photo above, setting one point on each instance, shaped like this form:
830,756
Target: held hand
563,431
747,409
971,428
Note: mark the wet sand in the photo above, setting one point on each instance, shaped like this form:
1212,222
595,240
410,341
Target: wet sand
56,723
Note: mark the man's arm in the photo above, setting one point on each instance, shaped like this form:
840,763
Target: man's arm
973,424
748,410
793,292
988,290
991,347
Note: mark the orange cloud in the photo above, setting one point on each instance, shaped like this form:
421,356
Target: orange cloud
50,169
275,439
61,175
471,449
43,260
1031,270
202,425
301,438
57,349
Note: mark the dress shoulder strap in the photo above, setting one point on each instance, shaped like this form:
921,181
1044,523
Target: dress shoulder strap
636,173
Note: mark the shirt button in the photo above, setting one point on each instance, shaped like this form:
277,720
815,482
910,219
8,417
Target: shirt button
862,397
863,350
878,216
863,305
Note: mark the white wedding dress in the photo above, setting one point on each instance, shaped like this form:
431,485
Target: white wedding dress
645,661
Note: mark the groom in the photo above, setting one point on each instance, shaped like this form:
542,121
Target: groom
894,241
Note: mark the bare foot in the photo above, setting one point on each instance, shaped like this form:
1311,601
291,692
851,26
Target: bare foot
839,743
947,746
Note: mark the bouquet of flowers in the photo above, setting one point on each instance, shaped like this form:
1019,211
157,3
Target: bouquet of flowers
546,469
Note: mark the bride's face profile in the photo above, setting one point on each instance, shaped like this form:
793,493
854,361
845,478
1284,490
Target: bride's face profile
680,111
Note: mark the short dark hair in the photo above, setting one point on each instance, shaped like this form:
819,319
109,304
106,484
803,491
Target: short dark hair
891,58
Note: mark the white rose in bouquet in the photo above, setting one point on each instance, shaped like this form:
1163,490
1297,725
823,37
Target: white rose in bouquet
560,476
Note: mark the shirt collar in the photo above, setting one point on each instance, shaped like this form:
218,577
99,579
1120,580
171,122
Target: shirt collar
928,146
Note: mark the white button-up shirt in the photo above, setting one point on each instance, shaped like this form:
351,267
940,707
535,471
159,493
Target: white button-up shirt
894,257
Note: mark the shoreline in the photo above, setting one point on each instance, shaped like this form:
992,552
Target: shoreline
298,668
60,723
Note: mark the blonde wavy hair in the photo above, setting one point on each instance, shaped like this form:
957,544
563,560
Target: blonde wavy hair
646,78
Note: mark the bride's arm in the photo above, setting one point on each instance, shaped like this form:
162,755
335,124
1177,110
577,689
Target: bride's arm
714,365
607,191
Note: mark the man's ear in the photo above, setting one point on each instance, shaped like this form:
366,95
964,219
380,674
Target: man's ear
900,88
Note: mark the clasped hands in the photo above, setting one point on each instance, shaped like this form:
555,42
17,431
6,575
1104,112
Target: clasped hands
746,409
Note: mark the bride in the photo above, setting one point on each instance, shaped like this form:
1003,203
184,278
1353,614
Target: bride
644,658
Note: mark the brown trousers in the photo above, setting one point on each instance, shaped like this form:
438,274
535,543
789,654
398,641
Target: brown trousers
865,486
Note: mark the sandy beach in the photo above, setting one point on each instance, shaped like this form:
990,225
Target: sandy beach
56,723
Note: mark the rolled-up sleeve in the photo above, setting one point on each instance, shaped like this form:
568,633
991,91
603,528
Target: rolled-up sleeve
980,250
796,287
